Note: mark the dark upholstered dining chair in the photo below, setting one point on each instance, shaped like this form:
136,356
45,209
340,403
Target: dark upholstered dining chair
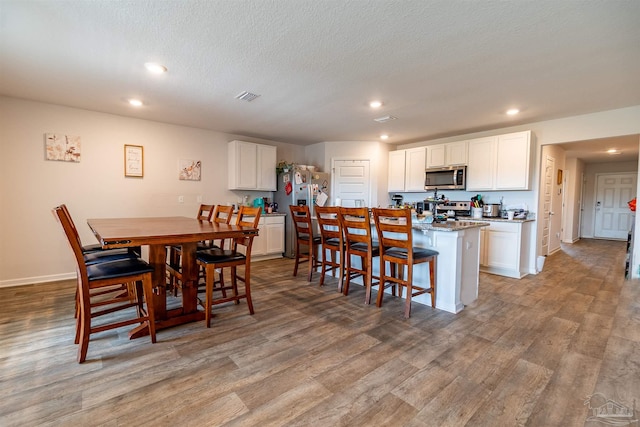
301,217
238,255
103,276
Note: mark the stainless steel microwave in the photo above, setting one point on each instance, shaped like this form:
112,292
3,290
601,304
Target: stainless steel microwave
451,178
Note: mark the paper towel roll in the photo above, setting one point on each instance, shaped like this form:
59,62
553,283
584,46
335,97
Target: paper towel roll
338,201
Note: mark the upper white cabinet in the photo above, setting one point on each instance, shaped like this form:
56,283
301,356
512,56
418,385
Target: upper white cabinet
445,155
415,165
396,171
251,166
436,157
406,169
499,162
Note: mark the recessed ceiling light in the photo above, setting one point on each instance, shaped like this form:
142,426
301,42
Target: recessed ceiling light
375,104
135,102
513,111
384,136
613,151
155,68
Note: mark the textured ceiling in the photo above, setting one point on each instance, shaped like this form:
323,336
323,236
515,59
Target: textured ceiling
442,68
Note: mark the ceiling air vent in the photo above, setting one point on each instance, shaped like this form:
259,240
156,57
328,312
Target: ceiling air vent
385,119
246,96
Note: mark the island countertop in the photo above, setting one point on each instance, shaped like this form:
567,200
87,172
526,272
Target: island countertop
448,226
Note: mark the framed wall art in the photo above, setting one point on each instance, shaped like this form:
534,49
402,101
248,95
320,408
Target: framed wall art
64,148
133,161
189,170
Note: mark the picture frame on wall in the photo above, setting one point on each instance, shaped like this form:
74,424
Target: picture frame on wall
133,161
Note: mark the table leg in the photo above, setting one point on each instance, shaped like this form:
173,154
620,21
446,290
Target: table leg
158,259
189,278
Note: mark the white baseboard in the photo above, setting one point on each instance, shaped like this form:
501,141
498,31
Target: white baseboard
37,279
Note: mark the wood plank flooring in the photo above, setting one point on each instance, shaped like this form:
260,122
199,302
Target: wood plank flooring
528,352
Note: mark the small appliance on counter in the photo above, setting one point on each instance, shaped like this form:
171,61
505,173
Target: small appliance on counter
397,200
491,210
258,202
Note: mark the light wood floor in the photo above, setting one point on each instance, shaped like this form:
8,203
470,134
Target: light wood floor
528,352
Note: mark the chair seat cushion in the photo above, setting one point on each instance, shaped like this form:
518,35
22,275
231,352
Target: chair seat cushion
316,240
362,247
215,256
114,269
108,255
418,253
334,241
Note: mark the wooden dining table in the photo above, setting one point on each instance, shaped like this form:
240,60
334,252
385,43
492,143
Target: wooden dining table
157,233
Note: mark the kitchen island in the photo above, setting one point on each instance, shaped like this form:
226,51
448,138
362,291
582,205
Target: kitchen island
457,265
458,245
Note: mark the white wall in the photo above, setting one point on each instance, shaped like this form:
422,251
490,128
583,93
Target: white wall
32,246
574,174
376,152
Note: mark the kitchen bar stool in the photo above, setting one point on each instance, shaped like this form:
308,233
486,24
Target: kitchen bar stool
174,270
218,258
332,242
356,226
103,276
301,217
396,249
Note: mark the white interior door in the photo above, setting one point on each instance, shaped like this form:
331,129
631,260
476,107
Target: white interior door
613,217
557,210
549,166
351,181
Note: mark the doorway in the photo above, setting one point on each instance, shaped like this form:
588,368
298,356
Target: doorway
351,181
613,218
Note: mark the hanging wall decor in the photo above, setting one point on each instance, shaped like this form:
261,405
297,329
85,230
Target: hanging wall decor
189,170
133,161
64,148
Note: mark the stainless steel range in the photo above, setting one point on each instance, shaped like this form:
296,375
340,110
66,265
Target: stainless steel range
454,209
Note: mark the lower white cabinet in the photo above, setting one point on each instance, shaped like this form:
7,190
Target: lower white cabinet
504,248
270,241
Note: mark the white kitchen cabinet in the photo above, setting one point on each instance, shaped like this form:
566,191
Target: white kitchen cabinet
415,160
499,162
513,154
456,153
445,155
406,170
270,240
504,248
436,156
251,166
396,171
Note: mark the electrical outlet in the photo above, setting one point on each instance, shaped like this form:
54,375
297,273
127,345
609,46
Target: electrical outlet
180,199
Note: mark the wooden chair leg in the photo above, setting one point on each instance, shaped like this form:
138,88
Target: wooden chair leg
147,285
209,280
295,268
234,284
247,286
383,281
407,303
367,279
432,280
313,256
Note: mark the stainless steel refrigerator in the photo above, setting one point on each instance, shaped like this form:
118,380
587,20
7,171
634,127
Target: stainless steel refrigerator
300,187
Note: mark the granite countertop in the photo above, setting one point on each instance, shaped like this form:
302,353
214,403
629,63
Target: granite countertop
449,225
500,219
